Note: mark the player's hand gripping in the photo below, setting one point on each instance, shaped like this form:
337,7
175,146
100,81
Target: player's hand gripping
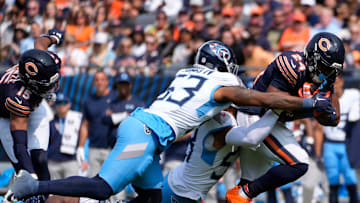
322,104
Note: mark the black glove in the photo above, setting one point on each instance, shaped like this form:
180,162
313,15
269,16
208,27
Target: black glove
57,34
323,103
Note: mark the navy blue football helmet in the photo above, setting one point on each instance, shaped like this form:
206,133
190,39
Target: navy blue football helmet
40,71
218,56
324,57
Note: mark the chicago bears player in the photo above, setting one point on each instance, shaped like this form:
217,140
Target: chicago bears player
194,96
321,62
24,127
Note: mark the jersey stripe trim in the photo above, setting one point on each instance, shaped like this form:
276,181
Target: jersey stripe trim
282,72
15,112
293,73
17,107
280,151
286,69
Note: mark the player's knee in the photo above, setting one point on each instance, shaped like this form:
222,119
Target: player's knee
301,168
103,189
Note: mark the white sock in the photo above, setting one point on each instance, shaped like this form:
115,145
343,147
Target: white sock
243,194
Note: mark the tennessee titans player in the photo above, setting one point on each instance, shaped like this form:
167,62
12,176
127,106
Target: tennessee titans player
289,74
24,126
194,96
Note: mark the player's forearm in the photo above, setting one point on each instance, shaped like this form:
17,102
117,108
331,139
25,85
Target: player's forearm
83,133
254,134
44,42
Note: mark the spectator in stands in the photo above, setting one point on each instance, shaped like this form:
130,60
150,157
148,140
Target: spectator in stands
170,7
228,19
157,29
48,19
327,22
196,6
256,58
238,13
228,38
276,29
92,126
149,63
28,43
100,22
199,25
296,36
100,56
6,58
81,29
7,26
33,12
308,8
183,21
342,14
183,50
213,30
138,37
121,108
124,59
288,7
255,31
166,48
71,56
64,137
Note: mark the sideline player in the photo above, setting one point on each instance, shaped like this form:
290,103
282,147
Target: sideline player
194,96
320,64
24,126
211,152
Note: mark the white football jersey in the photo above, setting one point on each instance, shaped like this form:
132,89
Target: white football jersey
188,101
349,110
204,165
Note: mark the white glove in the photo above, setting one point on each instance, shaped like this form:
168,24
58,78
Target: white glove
80,155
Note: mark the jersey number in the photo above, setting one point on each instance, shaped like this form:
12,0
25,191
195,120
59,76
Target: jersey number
23,92
167,95
225,164
298,58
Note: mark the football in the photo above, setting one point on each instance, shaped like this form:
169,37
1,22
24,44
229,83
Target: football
322,117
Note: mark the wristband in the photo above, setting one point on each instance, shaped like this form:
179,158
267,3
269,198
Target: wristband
308,103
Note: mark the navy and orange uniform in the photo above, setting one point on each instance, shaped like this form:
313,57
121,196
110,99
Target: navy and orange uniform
287,73
15,98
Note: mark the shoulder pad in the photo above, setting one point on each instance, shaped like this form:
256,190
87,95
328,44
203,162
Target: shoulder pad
290,64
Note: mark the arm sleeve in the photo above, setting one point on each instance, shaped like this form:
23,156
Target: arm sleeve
254,134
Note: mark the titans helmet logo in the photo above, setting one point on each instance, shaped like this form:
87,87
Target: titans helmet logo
220,51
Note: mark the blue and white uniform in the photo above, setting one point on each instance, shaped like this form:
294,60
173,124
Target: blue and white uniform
186,103
204,164
15,98
334,150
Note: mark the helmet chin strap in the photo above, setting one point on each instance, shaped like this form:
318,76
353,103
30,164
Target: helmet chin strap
321,78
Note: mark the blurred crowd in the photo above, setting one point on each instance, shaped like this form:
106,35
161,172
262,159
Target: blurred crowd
150,36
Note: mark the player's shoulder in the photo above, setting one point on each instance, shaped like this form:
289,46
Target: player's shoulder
19,100
220,78
291,64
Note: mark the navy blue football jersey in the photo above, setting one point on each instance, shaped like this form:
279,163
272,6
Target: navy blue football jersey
287,73
15,98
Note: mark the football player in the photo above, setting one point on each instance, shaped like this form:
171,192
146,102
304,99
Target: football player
24,127
319,65
194,96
